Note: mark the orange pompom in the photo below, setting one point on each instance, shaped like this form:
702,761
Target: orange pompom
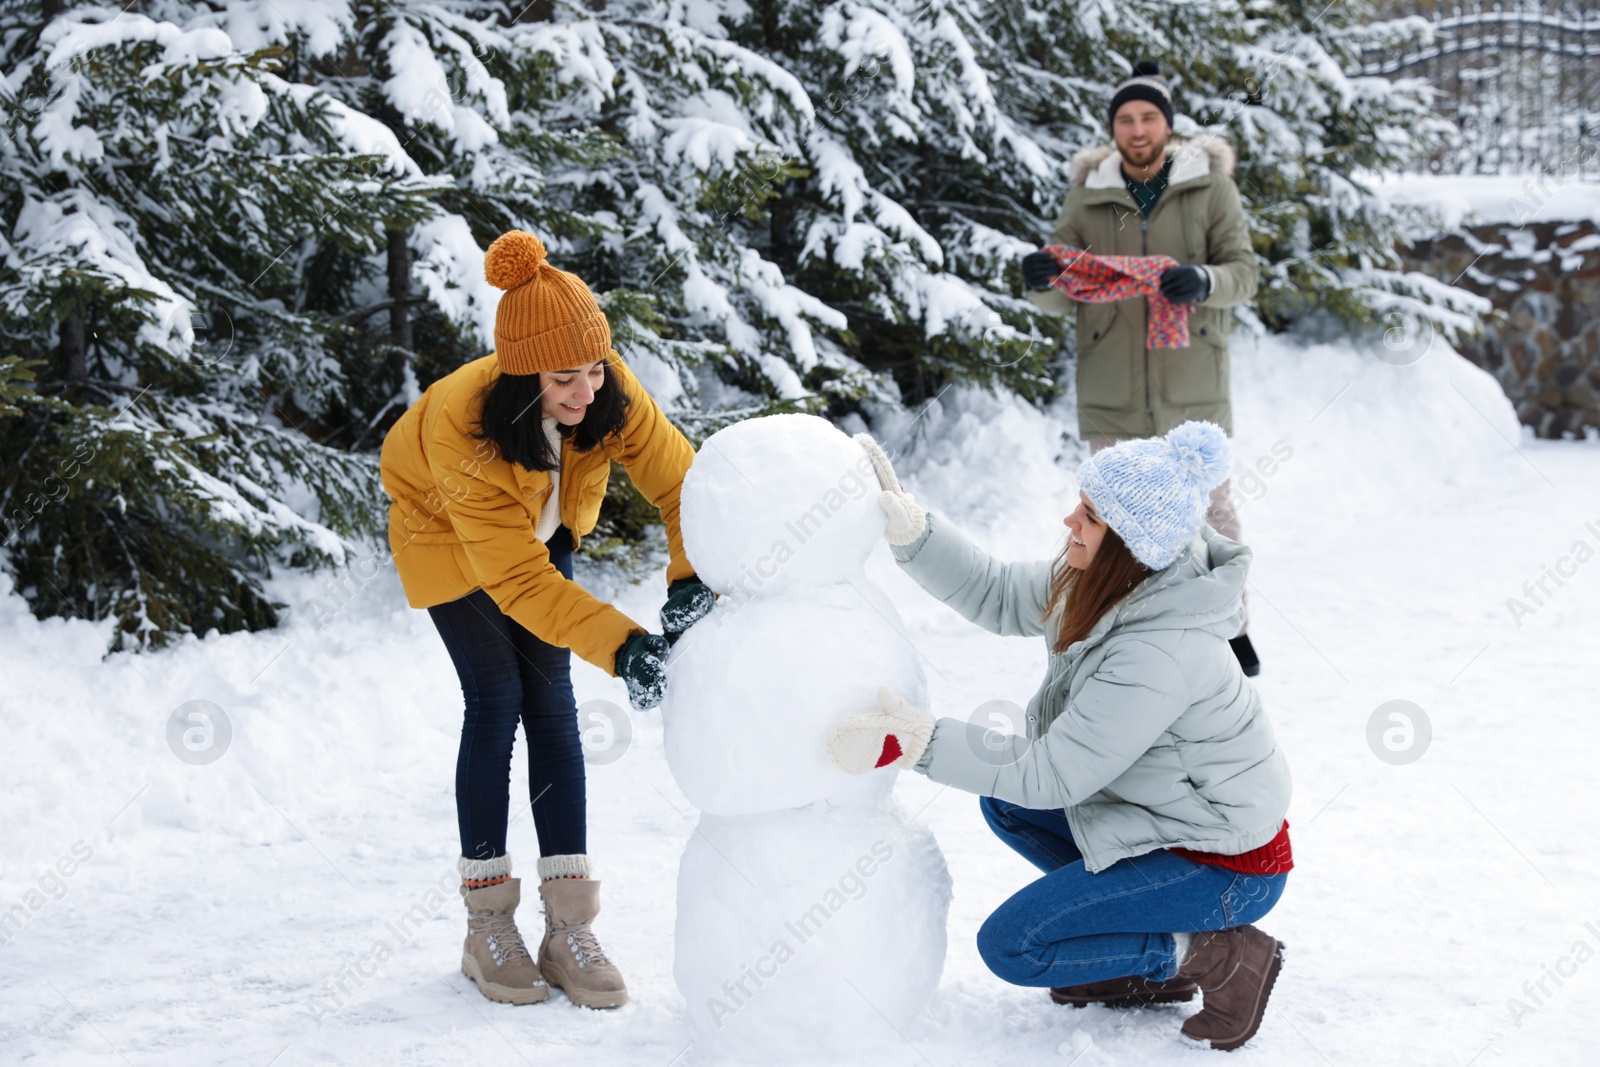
513,259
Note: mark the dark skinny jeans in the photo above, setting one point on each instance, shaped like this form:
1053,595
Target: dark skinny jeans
508,675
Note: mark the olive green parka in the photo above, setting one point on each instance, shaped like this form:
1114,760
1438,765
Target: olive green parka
1124,389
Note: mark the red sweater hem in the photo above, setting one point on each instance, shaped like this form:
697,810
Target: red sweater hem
1274,857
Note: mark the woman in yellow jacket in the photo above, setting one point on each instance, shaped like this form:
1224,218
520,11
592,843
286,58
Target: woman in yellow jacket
494,476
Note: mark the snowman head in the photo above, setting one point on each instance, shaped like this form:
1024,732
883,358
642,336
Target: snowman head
779,502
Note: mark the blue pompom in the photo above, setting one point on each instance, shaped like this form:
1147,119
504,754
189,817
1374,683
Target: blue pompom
1201,451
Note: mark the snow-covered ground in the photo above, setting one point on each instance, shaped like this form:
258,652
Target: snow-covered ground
292,902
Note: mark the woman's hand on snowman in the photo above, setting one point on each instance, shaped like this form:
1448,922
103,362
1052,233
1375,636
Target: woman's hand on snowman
688,601
642,664
907,520
896,735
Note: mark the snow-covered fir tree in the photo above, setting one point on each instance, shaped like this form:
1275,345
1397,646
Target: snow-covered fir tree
708,134
158,184
920,190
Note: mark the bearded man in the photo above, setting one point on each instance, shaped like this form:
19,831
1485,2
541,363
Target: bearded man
1151,195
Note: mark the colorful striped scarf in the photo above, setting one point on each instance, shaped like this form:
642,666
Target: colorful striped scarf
1103,279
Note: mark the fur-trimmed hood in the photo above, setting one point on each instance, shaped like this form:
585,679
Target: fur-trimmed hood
1100,166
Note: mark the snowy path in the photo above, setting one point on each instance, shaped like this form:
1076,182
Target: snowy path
254,911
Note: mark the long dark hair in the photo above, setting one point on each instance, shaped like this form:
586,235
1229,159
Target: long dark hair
511,417
1090,593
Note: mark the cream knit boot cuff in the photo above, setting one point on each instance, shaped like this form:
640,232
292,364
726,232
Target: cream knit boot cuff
575,865
484,870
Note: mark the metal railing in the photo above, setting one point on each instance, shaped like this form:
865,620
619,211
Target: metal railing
1520,81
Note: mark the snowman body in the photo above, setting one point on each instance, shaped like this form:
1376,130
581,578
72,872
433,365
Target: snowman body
811,910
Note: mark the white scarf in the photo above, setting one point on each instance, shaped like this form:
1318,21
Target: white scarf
550,514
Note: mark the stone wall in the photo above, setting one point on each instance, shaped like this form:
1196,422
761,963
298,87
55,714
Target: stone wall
1543,339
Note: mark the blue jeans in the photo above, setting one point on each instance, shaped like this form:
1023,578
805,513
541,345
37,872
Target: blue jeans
508,675
1072,927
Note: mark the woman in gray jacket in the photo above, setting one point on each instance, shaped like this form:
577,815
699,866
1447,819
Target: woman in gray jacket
1148,786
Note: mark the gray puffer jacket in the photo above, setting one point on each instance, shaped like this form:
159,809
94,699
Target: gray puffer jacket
1146,732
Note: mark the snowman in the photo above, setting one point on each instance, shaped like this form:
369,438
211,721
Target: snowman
811,910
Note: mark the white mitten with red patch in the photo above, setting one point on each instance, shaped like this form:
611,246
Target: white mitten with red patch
896,735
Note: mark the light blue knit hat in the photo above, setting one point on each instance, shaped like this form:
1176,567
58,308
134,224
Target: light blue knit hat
1153,491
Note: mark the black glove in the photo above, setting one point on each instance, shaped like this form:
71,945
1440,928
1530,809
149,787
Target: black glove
1039,269
1185,284
642,663
688,601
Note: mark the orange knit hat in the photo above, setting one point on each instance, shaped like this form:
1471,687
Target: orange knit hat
548,319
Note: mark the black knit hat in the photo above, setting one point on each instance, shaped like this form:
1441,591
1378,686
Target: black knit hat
1147,84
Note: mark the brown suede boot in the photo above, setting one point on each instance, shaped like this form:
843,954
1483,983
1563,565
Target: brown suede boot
1133,991
1235,970
494,956
570,957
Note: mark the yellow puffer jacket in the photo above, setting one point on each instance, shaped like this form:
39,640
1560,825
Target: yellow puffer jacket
462,518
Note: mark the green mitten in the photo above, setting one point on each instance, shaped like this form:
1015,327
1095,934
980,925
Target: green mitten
688,601
642,664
